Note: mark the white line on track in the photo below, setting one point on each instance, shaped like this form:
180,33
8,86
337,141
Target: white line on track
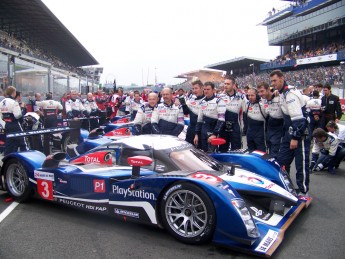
7,211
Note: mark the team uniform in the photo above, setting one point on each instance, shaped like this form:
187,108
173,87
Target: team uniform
232,130
142,120
50,109
167,119
295,127
210,119
75,109
11,113
313,107
256,119
331,154
191,106
275,124
92,111
134,107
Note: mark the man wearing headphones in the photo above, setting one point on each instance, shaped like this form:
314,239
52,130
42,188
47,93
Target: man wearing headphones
256,116
275,119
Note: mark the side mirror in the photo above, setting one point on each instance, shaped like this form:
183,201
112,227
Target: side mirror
136,162
218,141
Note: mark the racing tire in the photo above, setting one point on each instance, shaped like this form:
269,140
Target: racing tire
17,181
188,213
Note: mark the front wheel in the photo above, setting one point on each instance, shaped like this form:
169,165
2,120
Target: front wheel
188,213
17,181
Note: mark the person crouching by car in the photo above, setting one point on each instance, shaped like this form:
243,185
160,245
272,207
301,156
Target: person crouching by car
11,113
337,130
331,154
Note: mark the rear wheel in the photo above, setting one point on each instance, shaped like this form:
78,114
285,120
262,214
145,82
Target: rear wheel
188,213
17,181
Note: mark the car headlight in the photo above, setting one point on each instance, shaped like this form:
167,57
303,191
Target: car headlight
248,221
285,178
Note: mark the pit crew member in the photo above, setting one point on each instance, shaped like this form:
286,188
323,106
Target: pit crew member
167,118
210,118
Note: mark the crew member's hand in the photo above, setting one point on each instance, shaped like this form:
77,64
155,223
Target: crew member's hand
196,140
293,144
210,138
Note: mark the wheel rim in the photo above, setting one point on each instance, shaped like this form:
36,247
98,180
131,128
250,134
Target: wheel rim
16,179
186,213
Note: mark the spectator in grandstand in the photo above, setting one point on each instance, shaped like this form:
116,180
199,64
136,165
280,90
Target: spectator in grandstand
331,154
167,118
92,111
135,105
191,106
142,120
256,116
211,118
274,120
330,105
313,107
295,143
234,101
11,113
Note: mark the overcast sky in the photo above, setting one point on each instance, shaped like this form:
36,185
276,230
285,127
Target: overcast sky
135,39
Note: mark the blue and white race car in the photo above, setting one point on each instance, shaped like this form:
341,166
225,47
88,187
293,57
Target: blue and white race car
166,182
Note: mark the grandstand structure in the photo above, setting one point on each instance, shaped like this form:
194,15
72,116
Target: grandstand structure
311,36
39,54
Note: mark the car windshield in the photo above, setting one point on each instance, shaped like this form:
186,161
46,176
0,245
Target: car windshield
193,159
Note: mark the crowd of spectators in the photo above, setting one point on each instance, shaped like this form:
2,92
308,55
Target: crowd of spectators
21,46
331,48
333,75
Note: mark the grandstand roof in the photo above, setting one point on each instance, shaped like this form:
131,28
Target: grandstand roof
33,22
197,72
235,63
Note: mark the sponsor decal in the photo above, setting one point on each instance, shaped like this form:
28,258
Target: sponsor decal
257,212
180,147
100,157
99,186
79,204
253,179
269,186
62,181
44,175
127,213
207,177
133,193
171,190
267,241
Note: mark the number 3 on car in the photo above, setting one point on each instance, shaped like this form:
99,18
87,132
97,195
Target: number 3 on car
45,189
